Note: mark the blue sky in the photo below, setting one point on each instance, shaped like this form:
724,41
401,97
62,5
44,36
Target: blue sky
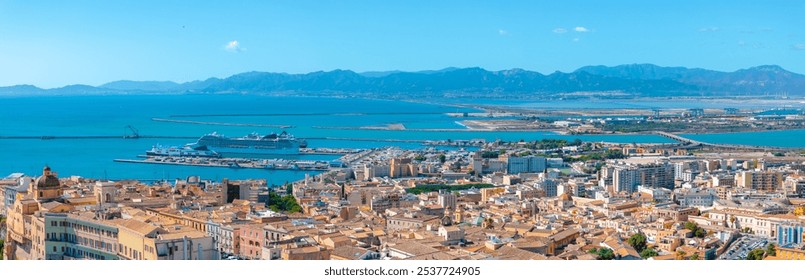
56,43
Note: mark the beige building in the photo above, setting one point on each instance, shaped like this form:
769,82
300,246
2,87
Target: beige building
760,180
305,253
410,221
402,167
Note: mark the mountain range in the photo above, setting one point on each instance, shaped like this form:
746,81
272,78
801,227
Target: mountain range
637,80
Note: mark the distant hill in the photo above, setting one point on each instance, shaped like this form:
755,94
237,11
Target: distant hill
21,90
645,80
765,79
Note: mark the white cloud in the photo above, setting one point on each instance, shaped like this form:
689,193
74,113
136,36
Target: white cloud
503,32
581,29
709,29
234,46
799,47
559,30
576,39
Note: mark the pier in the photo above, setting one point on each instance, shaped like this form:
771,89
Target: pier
221,123
56,137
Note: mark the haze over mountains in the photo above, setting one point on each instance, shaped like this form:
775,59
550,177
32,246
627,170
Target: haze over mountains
638,80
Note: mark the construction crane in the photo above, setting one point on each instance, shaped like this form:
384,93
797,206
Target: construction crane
134,132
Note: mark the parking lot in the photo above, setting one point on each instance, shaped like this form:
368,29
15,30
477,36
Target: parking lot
741,247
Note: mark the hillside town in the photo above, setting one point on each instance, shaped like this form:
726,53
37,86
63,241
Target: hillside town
540,200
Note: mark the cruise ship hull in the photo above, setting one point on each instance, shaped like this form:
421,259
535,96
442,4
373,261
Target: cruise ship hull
272,144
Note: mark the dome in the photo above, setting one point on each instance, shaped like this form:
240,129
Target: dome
565,197
46,182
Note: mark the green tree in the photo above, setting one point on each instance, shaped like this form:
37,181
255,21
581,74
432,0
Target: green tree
442,158
770,250
756,254
288,188
285,203
697,231
648,253
490,154
603,253
638,241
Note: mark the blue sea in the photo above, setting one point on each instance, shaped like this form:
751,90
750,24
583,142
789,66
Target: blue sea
307,117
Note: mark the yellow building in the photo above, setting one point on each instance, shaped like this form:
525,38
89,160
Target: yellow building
143,241
78,236
20,242
789,254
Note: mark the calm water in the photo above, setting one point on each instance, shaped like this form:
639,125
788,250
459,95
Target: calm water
781,138
109,115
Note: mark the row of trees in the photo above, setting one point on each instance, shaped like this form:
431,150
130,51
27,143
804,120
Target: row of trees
546,144
608,154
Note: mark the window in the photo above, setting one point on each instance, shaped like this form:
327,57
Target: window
54,248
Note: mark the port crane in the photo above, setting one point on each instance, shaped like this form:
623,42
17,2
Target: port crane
134,132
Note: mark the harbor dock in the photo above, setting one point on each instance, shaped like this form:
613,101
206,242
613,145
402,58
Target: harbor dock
270,164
